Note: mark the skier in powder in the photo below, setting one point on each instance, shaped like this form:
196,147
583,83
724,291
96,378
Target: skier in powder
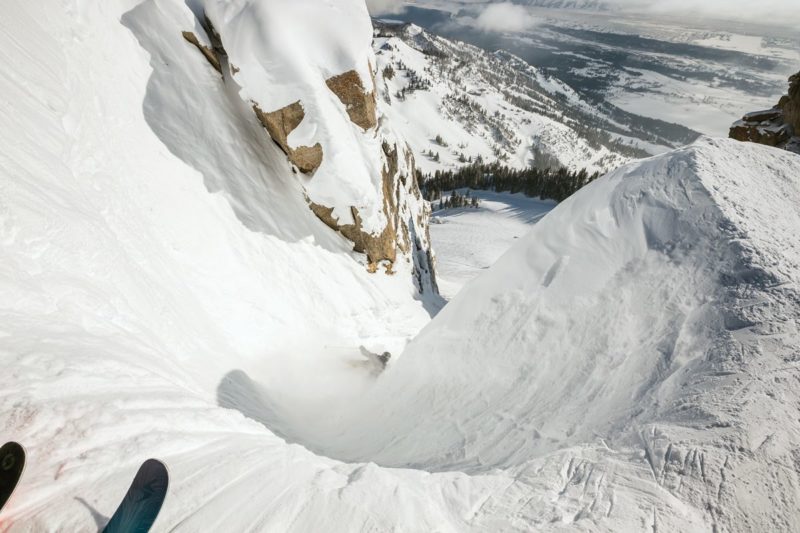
379,361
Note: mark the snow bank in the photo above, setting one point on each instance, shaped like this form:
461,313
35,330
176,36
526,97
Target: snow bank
651,316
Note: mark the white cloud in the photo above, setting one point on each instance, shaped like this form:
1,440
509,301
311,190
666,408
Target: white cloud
767,12
505,17
384,7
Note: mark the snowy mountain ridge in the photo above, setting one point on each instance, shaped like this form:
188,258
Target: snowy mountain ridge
453,102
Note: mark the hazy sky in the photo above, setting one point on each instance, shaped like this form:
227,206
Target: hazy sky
777,12
383,7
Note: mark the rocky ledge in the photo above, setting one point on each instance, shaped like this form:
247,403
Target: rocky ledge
779,126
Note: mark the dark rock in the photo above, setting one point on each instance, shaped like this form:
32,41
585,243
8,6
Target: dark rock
207,51
768,133
766,115
791,104
773,127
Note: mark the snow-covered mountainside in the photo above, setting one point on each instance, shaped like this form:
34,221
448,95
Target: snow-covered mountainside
318,104
454,102
632,364
171,286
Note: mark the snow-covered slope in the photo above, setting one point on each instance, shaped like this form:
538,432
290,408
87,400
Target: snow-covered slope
316,101
634,359
455,102
165,291
469,240
278,61
154,240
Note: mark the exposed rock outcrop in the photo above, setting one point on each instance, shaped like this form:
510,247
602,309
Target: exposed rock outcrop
279,124
762,127
401,231
779,126
360,105
378,247
790,104
207,51
406,230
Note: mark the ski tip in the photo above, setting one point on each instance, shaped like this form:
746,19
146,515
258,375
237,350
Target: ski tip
154,463
12,464
155,467
12,446
12,456
142,503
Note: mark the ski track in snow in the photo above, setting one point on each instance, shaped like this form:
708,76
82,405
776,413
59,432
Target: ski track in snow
630,364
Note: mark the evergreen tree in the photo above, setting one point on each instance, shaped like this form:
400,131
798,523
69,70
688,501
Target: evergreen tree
545,183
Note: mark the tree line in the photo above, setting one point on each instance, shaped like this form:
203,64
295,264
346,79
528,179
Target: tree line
456,200
546,183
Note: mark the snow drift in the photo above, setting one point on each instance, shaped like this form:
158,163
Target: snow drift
649,320
165,291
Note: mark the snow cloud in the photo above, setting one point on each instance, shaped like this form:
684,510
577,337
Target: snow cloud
505,17
384,7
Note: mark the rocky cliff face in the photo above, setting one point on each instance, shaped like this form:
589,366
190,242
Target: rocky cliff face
779,126
790,104
359,176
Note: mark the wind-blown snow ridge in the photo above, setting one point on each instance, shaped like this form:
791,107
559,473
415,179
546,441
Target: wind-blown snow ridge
651,318
165,292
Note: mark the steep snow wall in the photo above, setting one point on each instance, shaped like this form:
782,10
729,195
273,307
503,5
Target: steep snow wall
155,249
651,317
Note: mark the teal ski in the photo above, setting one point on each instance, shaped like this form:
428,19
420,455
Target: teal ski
142,503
